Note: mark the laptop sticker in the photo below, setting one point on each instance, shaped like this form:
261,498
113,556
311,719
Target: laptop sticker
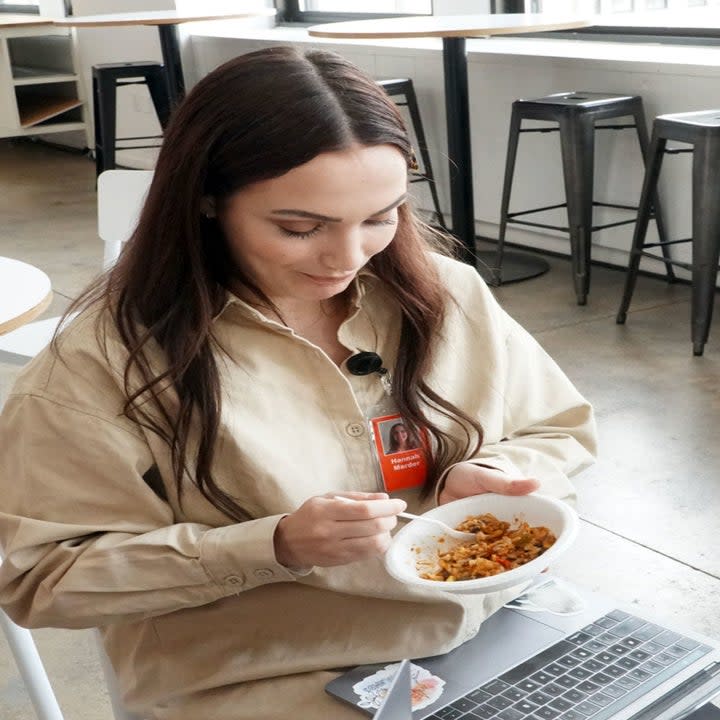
426,687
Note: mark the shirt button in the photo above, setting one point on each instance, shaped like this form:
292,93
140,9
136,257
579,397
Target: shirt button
355,429
263,573
235,580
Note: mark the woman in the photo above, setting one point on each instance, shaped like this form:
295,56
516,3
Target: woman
176,469
401,439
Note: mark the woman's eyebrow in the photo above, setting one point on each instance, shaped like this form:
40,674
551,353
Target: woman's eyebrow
328,218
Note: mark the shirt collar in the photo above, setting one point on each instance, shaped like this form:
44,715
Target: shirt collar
359,287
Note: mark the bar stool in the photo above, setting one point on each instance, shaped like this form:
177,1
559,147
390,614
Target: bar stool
404,87
106,80
575,114
702,131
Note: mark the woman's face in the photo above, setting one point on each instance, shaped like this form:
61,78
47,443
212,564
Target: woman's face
304,236
400,434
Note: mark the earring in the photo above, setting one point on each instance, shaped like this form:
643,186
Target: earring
412,161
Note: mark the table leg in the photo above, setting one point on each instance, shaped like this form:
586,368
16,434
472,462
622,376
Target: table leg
170,46
516,266
457,108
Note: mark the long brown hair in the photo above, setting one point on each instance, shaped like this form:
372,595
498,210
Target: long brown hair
254,118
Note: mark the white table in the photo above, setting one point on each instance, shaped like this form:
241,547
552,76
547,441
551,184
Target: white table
25,292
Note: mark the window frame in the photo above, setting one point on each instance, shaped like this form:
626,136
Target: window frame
20,9
288,11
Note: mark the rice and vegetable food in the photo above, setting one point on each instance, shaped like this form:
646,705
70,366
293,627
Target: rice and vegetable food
498,546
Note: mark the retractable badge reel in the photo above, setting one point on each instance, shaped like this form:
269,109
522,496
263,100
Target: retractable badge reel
400,451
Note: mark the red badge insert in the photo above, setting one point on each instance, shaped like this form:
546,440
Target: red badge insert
400,452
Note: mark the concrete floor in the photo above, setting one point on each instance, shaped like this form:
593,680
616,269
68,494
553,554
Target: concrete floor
650,506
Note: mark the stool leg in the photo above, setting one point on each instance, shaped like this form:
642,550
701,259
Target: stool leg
97,121
414,111
642,134
513,139
705,238
107,126
655,156
577,140
158,88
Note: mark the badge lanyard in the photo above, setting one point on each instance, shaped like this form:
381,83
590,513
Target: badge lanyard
400,453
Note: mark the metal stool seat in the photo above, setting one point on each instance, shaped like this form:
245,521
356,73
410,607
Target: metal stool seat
576,114
404,87
702,131
106,80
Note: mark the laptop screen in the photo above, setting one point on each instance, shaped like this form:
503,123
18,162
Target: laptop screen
397,704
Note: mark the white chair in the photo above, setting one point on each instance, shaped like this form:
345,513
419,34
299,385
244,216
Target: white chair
120,196
32,670
23,648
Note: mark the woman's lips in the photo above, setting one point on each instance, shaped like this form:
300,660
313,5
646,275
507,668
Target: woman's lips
329,279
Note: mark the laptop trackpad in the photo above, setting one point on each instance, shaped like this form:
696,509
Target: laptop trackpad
505,639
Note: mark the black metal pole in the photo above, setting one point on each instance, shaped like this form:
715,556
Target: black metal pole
457,106
170,46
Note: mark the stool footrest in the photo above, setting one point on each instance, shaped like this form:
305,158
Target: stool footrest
667,242
137,147
536,210
594,228
595,203
536,224
557,129
667,261
139,137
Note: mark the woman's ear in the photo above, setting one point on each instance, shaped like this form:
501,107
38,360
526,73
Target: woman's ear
207,206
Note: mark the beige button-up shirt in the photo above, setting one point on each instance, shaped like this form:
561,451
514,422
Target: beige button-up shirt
199,619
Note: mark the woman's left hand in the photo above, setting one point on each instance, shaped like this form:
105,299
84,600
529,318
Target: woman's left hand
466,479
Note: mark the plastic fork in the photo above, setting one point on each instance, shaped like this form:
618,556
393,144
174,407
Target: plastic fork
451,532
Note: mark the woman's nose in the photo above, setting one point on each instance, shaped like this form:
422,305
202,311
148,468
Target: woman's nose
345,251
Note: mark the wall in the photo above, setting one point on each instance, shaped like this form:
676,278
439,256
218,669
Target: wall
136,116
685,81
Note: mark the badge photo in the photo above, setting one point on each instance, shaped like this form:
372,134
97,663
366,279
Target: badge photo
400,451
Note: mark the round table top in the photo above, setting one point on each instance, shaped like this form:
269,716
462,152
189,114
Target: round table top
448,26
156,17
25,292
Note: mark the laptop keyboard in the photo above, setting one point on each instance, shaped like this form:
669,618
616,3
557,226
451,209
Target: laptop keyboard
593,673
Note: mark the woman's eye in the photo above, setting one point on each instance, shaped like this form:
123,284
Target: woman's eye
300,233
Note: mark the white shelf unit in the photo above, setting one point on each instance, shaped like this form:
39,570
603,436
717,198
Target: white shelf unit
40,88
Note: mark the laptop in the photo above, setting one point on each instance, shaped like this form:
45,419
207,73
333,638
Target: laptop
397,703
603,662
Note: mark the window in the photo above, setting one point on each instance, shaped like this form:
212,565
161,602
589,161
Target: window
330,10
400,7
617,6
20,6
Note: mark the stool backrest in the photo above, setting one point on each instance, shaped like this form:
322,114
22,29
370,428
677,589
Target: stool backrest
121,194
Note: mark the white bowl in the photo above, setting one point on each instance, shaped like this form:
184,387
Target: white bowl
414,549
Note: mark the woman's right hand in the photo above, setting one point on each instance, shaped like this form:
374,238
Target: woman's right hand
337,529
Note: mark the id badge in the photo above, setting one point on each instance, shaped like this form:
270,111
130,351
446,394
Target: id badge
401,454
